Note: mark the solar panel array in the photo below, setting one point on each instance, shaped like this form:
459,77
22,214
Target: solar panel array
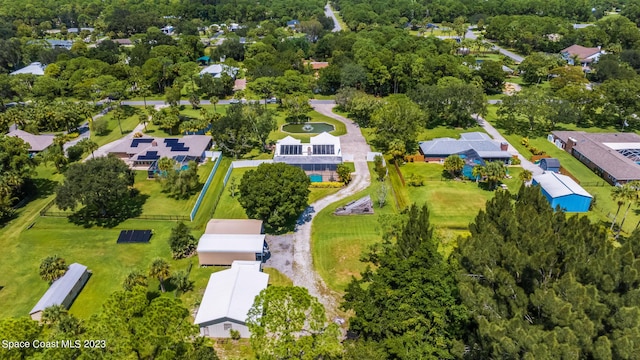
175,145
136,142
134,236
149,155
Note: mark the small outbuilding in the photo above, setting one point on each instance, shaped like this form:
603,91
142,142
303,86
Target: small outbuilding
63,291
563,191
228,298
550,164
224,249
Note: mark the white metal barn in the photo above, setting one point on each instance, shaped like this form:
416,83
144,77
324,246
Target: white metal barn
228,298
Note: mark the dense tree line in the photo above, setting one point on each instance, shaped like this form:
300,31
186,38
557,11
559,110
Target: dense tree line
528,282
16,169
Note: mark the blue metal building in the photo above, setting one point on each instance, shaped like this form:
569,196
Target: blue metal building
563,191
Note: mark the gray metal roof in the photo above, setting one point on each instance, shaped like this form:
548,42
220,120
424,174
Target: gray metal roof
195,146
310,159
558,185
35,68
36,142
480,142
551,162
60,288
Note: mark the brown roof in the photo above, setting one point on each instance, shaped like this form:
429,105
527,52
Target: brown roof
122,41
580,51
592,146
234,226
317,65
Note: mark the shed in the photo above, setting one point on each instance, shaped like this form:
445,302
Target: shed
224,249
228,297
550,164
561,190
234,226
63,291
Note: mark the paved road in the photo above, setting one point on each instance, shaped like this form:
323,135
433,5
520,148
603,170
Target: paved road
328,11
524,162
304,274
515,57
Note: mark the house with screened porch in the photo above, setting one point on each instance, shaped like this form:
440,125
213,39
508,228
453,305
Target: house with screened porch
319,158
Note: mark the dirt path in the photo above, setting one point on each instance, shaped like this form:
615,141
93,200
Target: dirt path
302,269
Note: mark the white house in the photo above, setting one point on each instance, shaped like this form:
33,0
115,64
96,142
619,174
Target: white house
216,70
224,249
35,68
228,299
586,56
319,158
168,30
63,291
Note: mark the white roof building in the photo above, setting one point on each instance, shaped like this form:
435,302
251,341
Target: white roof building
224,249
63,291
35,68
228,299
323,144
558,185
216,70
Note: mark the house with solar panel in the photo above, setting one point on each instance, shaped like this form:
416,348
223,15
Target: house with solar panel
62,291
319,158
144,152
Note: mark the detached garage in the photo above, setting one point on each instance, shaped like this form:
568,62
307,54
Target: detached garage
224,249
228,297
563,191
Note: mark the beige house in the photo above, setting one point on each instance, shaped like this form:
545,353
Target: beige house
224,249
63,291
228,298
234,226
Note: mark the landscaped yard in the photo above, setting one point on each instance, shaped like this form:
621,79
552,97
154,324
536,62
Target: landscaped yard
113,129
340,128
229,207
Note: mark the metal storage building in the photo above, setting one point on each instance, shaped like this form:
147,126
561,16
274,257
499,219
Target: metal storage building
228,298
224,249
63,291
563,191
234,226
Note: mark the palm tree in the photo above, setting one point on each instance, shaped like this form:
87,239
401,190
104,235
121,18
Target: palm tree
89,145
214,100
631,194
135,278
526,175
52,268
617,194
494,172
166,164
142,119
477,172
119,115
160,270
53,314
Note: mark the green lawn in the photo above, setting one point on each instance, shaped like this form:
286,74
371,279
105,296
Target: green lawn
277,278
340,128
29,238
338,241
605,207
230,208
113,132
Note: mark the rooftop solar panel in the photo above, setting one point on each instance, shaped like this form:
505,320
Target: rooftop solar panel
134,236
170,141
136,142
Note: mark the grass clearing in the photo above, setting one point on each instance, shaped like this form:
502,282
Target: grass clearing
29,238
113,129
276,278
338,241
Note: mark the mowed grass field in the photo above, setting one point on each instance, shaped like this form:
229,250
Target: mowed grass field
338,241
29,238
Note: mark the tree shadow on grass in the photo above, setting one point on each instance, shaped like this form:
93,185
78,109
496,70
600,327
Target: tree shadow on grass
124,209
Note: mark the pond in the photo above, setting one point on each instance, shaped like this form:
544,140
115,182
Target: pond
310,128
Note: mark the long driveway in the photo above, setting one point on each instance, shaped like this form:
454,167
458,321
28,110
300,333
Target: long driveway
524,162
303,271
328,12
515,57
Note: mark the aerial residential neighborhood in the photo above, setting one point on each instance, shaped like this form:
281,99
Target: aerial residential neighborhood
319,180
